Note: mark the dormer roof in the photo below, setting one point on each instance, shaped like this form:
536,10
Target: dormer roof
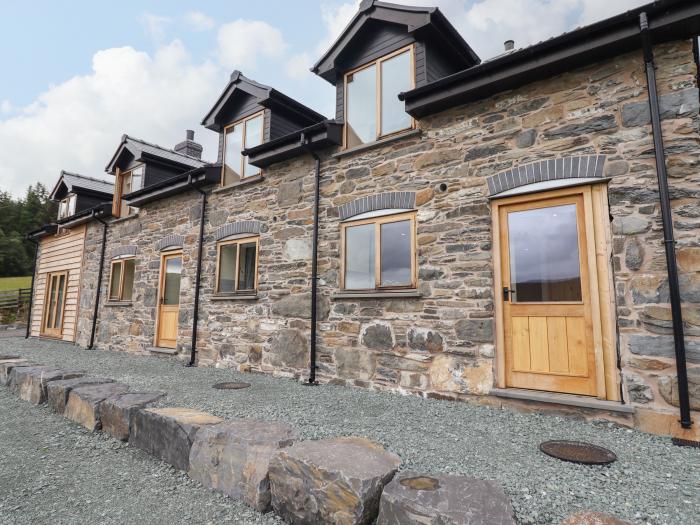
423,23
140,150
80,184
265,96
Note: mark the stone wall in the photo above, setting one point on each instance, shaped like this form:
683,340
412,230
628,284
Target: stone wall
88,285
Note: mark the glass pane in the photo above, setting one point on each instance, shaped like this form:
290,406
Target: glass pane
544,257
396,253
126,184
359,257
128,287
232,164
362,106
173,269
59,300
396,77
52,301
246,267
227,268
71,204
253,137
63,209
137,178
114,281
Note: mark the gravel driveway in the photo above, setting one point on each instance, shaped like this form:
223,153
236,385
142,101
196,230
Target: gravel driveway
53,471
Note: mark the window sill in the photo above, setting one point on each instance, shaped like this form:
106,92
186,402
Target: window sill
243,182
377,143
118,303
408,294
123,219
234,297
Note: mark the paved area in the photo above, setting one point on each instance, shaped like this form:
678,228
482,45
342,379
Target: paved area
54,471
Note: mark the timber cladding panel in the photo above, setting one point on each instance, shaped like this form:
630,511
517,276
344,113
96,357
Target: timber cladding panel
60,253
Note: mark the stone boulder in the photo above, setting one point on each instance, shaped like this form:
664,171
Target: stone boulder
84,402
57,391
417,499
593,518
6,366
29,382
335,480
233,458
668,386
117,412
168,433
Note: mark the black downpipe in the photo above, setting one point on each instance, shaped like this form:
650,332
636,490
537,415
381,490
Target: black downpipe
195,315
99,280
314,265
31,290
667,222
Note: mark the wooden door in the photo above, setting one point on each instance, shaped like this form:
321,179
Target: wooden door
546,296
54,304
169,301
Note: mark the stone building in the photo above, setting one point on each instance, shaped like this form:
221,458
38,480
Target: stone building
485,231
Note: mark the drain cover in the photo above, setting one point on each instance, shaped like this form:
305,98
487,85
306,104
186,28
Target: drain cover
3,357
578,452
232,385
421,483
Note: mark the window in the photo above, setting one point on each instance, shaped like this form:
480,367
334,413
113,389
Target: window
237,137
237,266
121,281
379,253
372,107
129,182
66,207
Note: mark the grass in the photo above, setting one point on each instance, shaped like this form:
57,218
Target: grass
12,283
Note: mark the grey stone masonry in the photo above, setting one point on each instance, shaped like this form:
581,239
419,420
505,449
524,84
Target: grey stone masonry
170,241
236,228
399,200
120,251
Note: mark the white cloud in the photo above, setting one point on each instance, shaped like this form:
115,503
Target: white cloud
154,26
335,19
297,66
198,21
6,106
76,125
243,42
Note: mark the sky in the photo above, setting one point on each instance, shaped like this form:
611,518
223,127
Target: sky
77,75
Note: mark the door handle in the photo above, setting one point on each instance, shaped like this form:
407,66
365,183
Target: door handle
162,300
507,293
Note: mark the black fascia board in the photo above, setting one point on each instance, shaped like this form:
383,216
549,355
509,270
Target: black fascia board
91,193
669,20
189,180
103,209
47,229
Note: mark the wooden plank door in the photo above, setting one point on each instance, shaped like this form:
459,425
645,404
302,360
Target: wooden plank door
546,296
169,302
54,304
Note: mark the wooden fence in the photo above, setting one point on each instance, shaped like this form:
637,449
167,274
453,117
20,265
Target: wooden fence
14,299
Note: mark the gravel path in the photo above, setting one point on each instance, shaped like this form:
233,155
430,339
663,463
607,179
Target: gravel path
56,467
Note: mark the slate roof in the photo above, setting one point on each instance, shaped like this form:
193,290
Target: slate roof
138,147
75,181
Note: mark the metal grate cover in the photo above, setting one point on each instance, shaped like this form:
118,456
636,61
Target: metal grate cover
578,452
231,385
680,442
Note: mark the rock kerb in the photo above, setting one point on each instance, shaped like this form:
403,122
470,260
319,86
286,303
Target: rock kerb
234,457
117,412
29,382
6,366
168,433
419,499
57,391
338,480
84,403
588,517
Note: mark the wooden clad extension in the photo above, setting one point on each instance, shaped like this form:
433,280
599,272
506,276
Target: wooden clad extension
59,253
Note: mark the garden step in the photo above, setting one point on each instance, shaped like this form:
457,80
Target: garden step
168,433
57,391
6,366
593,518
234,457
84,402
335,480
29,382
420,499
117,412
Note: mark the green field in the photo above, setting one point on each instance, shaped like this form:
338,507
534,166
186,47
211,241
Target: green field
12,283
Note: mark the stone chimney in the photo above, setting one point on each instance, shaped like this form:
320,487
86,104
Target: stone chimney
189,147
509,45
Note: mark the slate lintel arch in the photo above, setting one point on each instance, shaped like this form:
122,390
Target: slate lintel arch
170,241
572,167
399,200
123,251
236,228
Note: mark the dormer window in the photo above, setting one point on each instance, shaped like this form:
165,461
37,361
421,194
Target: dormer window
66,207
238,136
372,107
129,182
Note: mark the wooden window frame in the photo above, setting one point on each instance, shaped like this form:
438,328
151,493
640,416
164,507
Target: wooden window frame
378,221
120,292
119,189
238,241
44,330
244,122
67,201
378,93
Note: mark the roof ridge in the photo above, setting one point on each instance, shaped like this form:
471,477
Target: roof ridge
79,175
135,139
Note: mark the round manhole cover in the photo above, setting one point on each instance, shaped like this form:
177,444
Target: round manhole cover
421,483
231,385
578,452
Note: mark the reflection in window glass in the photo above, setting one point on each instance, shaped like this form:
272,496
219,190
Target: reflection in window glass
544,255
128,284
59,300
114,281
253,137
396,78
396,253
227,268
361,106
232,163
246,267
359,257
171,292
137,178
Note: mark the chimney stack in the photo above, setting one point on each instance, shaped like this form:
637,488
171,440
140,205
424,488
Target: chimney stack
189,147
509,45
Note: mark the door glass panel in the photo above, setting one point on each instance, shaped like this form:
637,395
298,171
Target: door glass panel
227,268
544,255
234,145
128,286
361,106
52,301
396,78
253,137
59,300
396,253
246,267
171,292
114,282
359,258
